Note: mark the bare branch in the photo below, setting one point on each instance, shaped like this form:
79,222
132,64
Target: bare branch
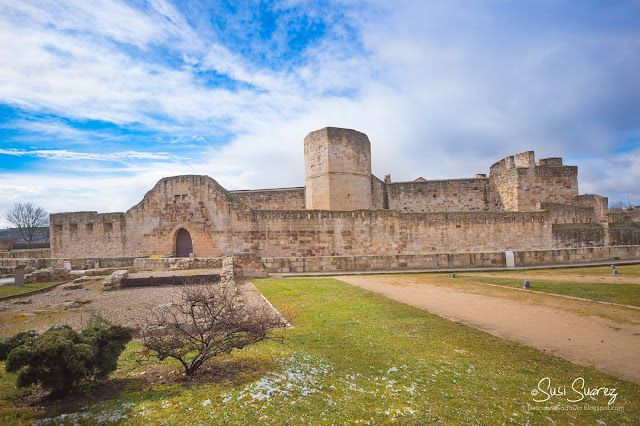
209,320
27,218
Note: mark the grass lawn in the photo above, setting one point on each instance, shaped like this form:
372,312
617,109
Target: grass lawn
20,250
577,282
354,357
10,290
628,294
589,271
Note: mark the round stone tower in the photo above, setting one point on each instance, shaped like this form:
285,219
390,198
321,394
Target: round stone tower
337,165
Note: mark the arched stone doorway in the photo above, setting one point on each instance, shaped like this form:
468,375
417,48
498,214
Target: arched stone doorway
184,246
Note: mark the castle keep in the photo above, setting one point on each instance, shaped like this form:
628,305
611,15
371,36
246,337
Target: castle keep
343,210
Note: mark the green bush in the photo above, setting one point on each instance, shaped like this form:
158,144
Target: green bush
61,357
108,343
24,337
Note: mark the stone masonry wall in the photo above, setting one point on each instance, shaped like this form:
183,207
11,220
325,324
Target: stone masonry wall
564,213
503,190
82,234
546,183
518,184
279,265
193,202
624,217
378,194
446,261
439,195
272,199
624,234
362,232
220,225
29,254
573,255
571,235
624,227
345,211
337,170
76,263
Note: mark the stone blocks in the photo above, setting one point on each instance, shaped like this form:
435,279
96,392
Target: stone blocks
337,170
342,211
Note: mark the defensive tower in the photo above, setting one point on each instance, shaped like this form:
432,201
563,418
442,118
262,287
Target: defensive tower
337,166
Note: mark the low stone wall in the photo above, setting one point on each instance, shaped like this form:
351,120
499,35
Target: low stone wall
84,263
165,263
381,263
7,265
155,264
577,255
26,254
249,264
279,265
104,262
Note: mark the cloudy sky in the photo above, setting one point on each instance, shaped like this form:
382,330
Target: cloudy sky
99,99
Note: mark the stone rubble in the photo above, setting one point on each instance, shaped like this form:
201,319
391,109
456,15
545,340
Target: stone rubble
114,281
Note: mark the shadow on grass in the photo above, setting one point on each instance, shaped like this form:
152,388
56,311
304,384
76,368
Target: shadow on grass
155,383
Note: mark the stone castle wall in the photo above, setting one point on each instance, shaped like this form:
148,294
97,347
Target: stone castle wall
552,184
439,195
220,225
624,217
272,199
565,213
360,232
346,211
517,183
337,170
83,234
196,203
378,194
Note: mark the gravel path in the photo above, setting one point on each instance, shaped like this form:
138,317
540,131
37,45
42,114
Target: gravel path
579,331
74,306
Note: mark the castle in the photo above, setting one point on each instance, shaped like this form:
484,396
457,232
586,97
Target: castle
343,210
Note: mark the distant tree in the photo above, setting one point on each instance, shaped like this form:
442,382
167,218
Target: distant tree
209,320
7,241
617,205
27,218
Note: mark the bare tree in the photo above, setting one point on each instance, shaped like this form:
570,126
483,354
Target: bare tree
27,218
7,241
617,205
209,320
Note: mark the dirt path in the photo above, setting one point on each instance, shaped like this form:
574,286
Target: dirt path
582,332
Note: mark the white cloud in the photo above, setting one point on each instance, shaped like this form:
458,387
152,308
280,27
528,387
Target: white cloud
442,91
63,154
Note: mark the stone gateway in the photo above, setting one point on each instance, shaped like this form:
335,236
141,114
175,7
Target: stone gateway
343,210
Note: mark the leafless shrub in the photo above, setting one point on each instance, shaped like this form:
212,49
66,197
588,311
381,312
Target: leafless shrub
27,218
209,320
6,242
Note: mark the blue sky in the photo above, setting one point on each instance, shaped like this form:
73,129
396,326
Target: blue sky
100,99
